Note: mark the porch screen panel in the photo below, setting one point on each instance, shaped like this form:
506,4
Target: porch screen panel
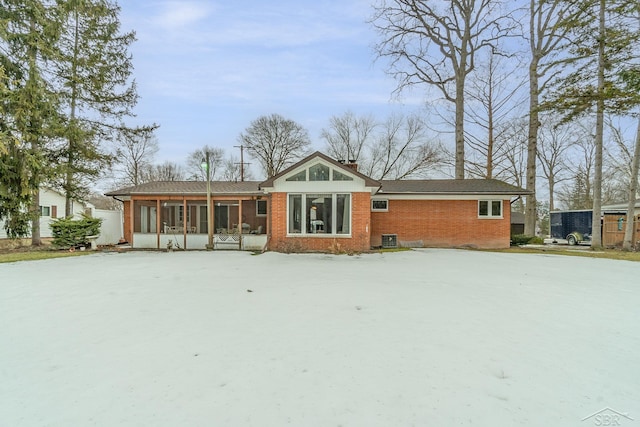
144,217
203,220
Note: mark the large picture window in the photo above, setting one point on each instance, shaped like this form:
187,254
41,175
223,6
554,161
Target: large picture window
490,208
326,213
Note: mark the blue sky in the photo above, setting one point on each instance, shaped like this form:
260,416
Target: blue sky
206,69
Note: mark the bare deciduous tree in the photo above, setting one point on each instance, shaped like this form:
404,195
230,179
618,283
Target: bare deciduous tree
547,37
348,135
552,144
492,95
511,164
195,160
436,43
275,142
402,150
167,171
628,243
231,170
578,194
135,152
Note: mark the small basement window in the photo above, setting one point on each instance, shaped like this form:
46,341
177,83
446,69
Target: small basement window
379,205
490,208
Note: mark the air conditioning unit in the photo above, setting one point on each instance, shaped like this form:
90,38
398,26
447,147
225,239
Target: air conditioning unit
389,240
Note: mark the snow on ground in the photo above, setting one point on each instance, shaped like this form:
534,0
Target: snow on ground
421,338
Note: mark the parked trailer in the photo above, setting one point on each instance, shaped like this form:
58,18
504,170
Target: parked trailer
574,226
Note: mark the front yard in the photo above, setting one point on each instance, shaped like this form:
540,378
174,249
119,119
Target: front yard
425,337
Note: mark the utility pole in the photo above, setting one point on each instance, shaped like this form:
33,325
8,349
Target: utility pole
242,163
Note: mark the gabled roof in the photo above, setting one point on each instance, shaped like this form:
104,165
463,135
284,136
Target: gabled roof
368,181
191,188
450,186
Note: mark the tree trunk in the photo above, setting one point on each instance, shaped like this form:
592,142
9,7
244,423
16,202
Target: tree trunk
596,235
490,125
460,128
33,135
552,186
628,244
530,213
73,125
36,240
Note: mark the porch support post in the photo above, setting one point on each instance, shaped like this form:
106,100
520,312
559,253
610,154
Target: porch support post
184,221
132,215
268,225
240,224
158,214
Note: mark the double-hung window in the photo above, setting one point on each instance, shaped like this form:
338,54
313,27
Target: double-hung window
319,214
490,208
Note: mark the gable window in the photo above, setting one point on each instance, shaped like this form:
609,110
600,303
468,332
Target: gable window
490,208
261,207
339,176
319,172
300,176
326,213
379,205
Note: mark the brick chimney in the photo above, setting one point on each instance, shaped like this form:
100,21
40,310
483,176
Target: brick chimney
352,164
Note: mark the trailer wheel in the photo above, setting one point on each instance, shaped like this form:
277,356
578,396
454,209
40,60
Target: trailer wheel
571,239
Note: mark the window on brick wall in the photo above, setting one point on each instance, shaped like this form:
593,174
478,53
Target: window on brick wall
319,214
379,205
490,208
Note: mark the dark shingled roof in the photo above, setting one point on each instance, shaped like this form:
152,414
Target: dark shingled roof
190,188
449,186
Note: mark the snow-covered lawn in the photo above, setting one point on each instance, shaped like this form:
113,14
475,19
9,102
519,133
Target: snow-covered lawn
421,338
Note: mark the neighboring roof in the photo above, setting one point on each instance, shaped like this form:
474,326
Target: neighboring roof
190,187
368,181
450,186
620,206
517,217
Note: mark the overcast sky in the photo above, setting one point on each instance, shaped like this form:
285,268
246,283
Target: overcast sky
205,69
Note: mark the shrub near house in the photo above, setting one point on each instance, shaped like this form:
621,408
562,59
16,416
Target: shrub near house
74,233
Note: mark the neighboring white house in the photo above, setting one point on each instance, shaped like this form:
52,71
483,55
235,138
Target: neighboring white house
621,207
52,206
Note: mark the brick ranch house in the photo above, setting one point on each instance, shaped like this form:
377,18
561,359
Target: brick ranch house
320,204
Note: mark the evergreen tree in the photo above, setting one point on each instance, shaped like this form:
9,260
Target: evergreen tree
28,31
92,74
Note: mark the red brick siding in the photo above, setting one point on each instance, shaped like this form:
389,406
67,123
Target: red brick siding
360,229
441,223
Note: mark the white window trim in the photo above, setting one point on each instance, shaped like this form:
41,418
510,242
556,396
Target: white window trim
266,205
489,214
332,169
303,218
378,209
